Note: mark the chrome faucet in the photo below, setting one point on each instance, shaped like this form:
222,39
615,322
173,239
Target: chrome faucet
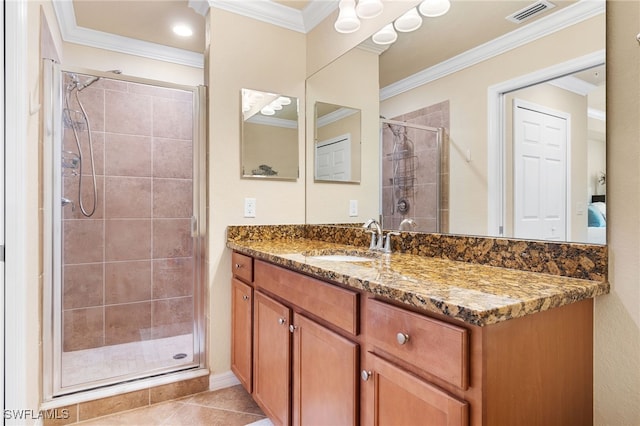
377,239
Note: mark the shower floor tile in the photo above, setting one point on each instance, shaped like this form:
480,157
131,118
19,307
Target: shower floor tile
232,406
90,365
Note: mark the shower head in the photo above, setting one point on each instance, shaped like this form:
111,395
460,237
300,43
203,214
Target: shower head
87,83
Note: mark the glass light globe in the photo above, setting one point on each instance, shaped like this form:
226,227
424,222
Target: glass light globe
410,21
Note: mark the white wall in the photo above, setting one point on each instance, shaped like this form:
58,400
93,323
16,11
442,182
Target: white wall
617,315
261,57
335,84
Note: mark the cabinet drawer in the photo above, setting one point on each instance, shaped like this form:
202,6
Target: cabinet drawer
242,267
439,348
326,301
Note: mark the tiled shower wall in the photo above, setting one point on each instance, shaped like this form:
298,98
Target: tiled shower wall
128,270
424,207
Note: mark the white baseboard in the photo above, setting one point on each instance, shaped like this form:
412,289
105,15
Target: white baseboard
222,380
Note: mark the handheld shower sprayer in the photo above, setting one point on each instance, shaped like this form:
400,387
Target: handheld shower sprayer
87,83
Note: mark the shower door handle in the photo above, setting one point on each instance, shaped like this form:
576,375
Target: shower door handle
194,226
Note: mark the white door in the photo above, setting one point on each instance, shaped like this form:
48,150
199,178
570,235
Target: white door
333,159
540,173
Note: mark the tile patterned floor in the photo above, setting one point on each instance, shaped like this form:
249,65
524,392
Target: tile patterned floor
226,407
106,362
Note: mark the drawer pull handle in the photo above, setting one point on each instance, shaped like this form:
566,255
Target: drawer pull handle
365,375
402,338
245,297
282,321
238,265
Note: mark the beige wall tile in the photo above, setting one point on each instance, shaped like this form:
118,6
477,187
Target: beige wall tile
172,277
127,197
172,238
127,155
83,241
127,323
172,317
173,198
83,285
179,389
127,282
128,113
172,158
172,119
114,404
83,328
127,239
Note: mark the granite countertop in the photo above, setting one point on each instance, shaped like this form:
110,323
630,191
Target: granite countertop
473,293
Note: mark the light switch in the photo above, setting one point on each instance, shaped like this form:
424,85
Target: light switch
353,208
249,207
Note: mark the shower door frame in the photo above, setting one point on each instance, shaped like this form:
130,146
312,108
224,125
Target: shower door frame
52,236
439,131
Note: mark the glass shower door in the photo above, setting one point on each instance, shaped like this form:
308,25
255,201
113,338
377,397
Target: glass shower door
127,272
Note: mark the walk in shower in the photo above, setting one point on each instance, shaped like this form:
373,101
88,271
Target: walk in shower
415,171
124,209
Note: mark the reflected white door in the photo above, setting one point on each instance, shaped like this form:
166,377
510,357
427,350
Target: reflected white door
333,159
540,173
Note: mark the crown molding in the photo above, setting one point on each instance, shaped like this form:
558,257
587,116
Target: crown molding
573,84
72,33
559,20
273,121
596,114
336,115
271,12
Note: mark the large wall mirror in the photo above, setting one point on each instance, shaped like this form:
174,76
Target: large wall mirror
269,147
478,76
337,143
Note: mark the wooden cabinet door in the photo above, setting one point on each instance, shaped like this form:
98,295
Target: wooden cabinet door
325,376
241,332
401,398
272,358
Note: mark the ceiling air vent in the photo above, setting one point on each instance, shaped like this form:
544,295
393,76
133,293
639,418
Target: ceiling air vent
530,11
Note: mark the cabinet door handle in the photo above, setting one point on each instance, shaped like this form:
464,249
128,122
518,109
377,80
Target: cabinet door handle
365,375
238,265
292,328
402,338
282,321
245,297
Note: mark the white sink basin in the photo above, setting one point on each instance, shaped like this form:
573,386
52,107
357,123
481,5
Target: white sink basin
342,258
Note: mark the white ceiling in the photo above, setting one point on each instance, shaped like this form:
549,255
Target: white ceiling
143,26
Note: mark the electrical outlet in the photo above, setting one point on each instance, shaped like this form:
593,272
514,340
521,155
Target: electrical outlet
249,207
353,208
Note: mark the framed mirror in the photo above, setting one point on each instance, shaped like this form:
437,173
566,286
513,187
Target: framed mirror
269,136
337,140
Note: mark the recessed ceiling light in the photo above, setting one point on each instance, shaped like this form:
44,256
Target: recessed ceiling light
183,30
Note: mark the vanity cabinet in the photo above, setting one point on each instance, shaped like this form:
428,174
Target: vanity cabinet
300,338
327,355
272,358
401,398
242,319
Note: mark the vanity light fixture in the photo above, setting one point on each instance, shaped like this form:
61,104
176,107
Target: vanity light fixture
267,110
434,8
408,22
347,21
386,35
182,30
367,9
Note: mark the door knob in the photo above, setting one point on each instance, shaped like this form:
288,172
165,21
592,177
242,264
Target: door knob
282,321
